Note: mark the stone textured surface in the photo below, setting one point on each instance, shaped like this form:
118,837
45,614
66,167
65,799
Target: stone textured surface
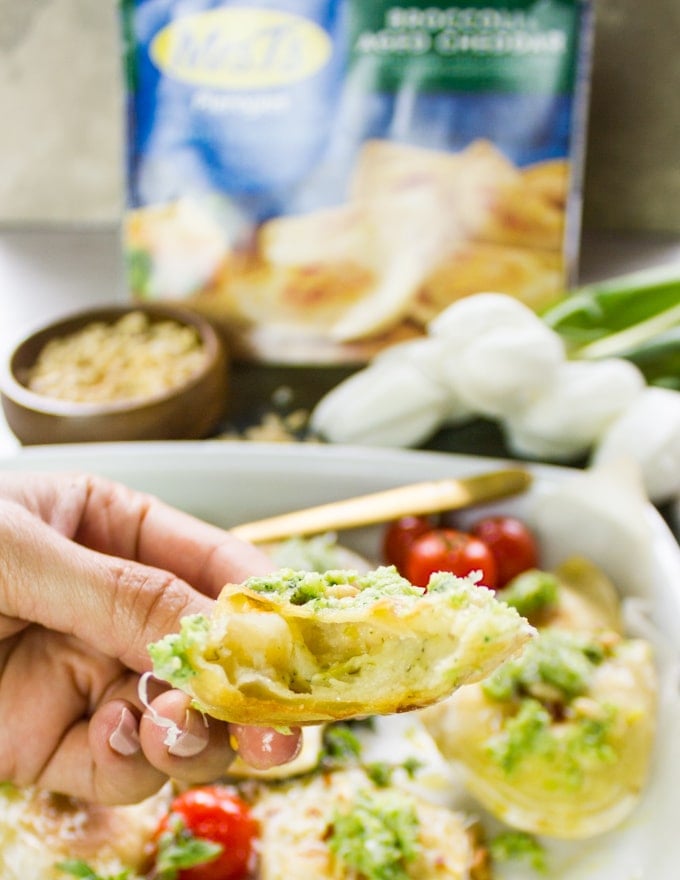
633,167
60,106
60,112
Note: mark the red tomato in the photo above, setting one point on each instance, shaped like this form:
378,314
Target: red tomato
400,535
513,545
449,550
215,813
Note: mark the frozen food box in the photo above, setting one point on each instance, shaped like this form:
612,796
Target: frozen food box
323,177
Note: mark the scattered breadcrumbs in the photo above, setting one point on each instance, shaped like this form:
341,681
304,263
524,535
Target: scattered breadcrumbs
131,358
280,422
274,428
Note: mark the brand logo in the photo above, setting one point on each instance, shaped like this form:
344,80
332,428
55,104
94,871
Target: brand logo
241,48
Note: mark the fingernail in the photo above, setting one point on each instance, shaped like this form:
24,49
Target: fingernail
125,737
188,744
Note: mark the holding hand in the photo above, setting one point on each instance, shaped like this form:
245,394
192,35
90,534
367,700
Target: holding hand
90,573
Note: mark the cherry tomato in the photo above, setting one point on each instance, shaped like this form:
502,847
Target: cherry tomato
400,535
215,813
449,550
513,545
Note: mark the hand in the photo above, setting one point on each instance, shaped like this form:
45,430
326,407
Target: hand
90,573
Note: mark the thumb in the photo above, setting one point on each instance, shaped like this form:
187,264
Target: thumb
115,605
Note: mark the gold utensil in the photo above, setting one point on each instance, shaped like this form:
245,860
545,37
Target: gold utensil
431,496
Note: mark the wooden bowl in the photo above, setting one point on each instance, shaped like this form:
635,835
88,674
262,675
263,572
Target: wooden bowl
191,410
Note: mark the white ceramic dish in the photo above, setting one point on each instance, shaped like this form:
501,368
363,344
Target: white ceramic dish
601,515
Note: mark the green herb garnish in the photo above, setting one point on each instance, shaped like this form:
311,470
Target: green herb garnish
340,746
179,848
80,868
389,821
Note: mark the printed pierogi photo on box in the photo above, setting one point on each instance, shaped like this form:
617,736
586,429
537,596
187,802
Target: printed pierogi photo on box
323,177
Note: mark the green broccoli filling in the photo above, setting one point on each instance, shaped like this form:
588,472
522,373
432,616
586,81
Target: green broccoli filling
564,660
171,655
517,845
531,592
376,837
316,588
554,669
530,734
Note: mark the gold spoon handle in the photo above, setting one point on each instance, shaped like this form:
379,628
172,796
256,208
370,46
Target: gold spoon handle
431,496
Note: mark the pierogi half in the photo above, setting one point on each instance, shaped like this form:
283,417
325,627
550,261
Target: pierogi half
298,647
559,741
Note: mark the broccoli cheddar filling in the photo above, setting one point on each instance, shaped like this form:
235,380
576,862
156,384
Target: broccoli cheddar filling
335,588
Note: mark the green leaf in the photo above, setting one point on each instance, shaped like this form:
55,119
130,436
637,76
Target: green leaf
659,359
178,848
597,310
80,868
634,316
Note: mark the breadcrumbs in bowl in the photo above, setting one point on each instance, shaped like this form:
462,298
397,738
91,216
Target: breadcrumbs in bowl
148,372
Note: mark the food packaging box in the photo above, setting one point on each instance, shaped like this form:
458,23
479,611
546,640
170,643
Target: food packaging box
323,177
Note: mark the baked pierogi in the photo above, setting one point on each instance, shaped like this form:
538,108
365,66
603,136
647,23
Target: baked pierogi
298,647
558,741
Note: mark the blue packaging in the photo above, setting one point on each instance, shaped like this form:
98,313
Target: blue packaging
324,176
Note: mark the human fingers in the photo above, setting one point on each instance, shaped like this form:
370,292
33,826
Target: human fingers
181,742
114,519
265,747
195,748
100,760
115,605
116,757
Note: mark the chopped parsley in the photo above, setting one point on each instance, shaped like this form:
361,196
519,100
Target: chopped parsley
342,747
376,836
